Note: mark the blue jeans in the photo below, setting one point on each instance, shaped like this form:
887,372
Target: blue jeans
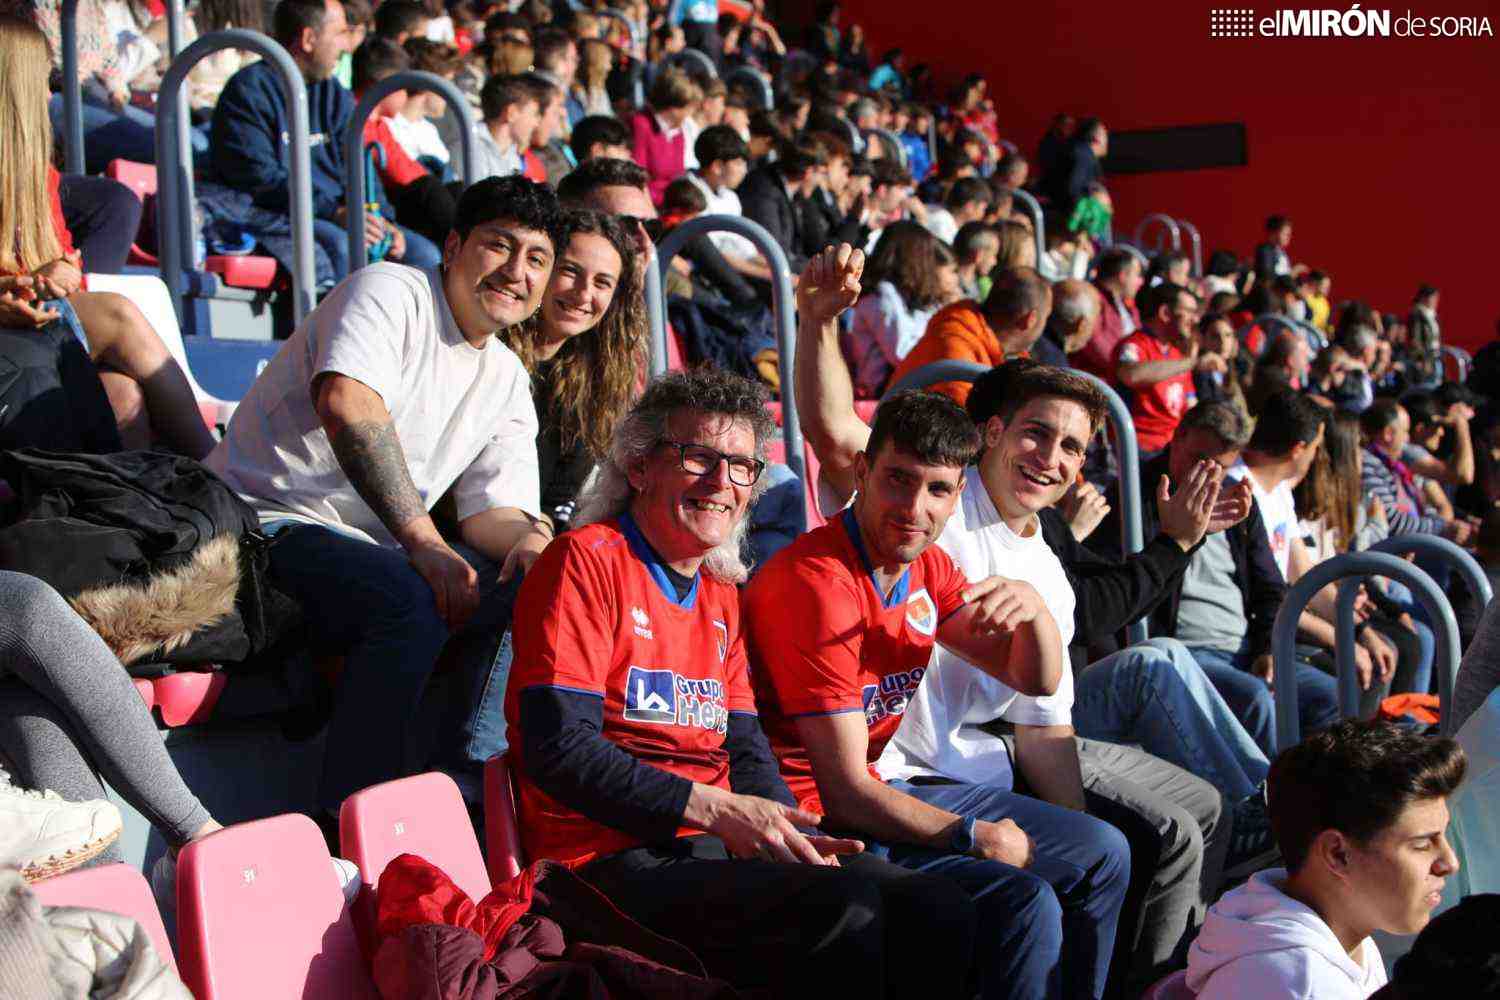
1420,681
1051,927
126,134
366,602
334,239
1155,694
1252,701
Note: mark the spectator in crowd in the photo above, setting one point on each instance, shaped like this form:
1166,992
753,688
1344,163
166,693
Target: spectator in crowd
512,111
1009,322
69,713
1430,422
1287,358
1012,171
596,136
390,393
1157,363
887,75
557,62
1287,437
1426,336
713,279
968,200
699,20
208,77
834,211
1314,287
414,127
1271,258
1053,147
398,20
1452,956
1080,165
659,782
1216,336
1360,813
590,94
250,152
977,247
1117,277
658,133
1468,606
905,275
618,188
768,195
1386,477
1075,314
546,159
723,161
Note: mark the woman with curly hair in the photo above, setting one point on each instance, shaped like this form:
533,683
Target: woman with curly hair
584,349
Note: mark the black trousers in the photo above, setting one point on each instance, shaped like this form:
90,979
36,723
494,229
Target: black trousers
867,927
103,216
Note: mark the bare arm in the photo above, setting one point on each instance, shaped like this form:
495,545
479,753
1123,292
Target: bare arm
508,536
1142,373
1047,757
1459,470
1007,631
824,389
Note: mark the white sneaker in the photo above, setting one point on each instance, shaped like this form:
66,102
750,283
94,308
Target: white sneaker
164,881
44,834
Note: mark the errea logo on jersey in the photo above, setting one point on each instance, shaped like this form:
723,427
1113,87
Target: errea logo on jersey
921,613
662,698
642,623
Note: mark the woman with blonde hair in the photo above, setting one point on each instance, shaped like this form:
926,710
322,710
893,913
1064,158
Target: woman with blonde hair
584,349
41,280
1017,249
595,61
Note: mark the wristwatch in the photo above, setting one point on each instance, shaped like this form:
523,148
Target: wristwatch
961,837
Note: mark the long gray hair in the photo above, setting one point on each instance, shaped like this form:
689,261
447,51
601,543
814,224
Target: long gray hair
608,493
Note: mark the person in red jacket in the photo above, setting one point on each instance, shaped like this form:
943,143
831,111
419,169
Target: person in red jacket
1118,279
660,141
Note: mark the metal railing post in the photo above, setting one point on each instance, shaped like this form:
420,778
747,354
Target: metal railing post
1038,225
1353,564
174,164
696,57
1169,223
1461,361
656,318
757,79
354,146
1196,241
174,28
783,305
1127,452
1422,544
72,93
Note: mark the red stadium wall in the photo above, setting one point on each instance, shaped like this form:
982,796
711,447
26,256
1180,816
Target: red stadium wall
1383,150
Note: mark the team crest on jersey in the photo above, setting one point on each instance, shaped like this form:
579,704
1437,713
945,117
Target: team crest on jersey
642,623
891,695
721,639
921,613
662,698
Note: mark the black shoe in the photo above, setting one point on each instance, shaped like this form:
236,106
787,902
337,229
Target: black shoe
1251,846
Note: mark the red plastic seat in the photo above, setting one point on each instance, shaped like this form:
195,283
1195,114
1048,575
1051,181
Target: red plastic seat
1174,987
188,699
113,889
243,272
146,690
260,914
422,815
502,825
676,353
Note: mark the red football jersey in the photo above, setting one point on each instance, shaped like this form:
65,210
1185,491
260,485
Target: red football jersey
1157,408
824,639
597,615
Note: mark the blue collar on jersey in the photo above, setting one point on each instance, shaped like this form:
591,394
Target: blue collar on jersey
898,592
645,553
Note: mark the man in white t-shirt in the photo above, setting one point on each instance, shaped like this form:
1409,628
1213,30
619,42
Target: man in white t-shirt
391,395
723,160
1360,812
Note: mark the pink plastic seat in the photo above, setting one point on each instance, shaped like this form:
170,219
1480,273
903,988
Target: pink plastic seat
1174,987
146,690
502,825
422,815
260,914
676,354
188,699
113,889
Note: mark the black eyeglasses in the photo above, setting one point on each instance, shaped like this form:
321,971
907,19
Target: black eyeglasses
701,460
651,226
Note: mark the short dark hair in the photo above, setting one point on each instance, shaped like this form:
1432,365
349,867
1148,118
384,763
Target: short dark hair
531,205
1355,777
547,45
1286,419
928,426
1379,415
376,59
1421,407
1005,388
683,197
1455,954
1014,292
886,172
1163,294
966,190
795,157
597,130
1223,420
1274,223
586,178
969,237
720,143
398,17
1113,262
500,92
292,16
1087,127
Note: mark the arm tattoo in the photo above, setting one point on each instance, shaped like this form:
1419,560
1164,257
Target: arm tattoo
370,455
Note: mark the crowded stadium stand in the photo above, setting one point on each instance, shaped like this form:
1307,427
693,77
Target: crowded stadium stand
660,498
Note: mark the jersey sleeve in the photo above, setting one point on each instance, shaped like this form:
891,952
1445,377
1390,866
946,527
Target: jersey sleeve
738,694
563,625
946,583
813,667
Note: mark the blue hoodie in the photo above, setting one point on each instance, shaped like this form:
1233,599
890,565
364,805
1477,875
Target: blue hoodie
251,145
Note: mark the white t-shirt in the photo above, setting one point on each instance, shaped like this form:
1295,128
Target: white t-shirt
419,137
939,734
1278,510
464,416
724,201
940,223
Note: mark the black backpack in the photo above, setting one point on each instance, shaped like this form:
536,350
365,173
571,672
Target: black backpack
50,394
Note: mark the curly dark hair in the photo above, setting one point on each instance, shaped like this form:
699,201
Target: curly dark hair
930,427
523,201
588,177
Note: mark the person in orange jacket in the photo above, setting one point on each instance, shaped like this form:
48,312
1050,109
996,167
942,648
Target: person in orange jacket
1005,326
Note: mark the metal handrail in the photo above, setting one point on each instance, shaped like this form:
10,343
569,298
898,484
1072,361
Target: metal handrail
1038,224
1461,359
1196,240
1127,451
1422,544
174,15
892,140
783,306
72,92
1359,565
354,145
1167,221
761,82
174,164
698,58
